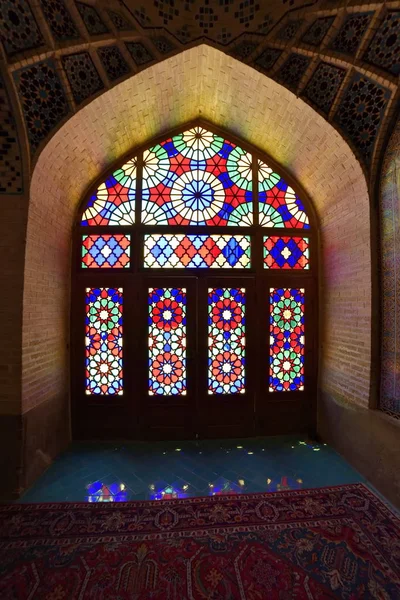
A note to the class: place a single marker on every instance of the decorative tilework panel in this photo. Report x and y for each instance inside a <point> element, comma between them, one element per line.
<point>246,11</point>
<point>288,31</point>
<point>324,85</point>
<point>360,112</point>
<point>167,10</point>
<point>10,157</point>
<point>196,251</point>
<point>389,208</point>
<point>318,30</point>
<point>243,50</point>
<point>59,20</point>
<point>163,45</point>
<point>141,15</point>
<point>82,76</point>
<point>105,251</point>
<point>286,253</point>
<point>268,58</point>
<point>43,99</point>
<point>19,28</point>
<point>293,70</point>
<point>351,33</point>
<point>119,21</point>
<point>384,50</point>
<point>139,53</point>
<point>92,19</point>
<point>113,62</point>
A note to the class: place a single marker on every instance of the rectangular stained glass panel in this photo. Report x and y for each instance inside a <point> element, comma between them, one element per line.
<point>286,253</point>
<point>180,251</point>
<point>105,251</point>
<point>286,368</point>
<point>167,341</point>
<point>104,323</point>
<point>226,340</point>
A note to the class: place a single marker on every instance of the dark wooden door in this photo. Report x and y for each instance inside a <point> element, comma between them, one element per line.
<point>197,376</point>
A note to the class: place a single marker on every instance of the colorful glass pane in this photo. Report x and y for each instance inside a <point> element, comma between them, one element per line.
<point>226,340</point>
<point>180,251</point>
<point>279,205</point>
<point>114,201</point>
<point>286,372</point>
<point>105,251</point>
<point>167,341</point>
<point>286,253</point>
<point>104,307</point>
<point>197,178</point>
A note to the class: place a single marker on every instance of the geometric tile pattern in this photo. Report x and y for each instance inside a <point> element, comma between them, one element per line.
<point>139,53</point>
<point>288,31</point>
<point>293,70</point>
<point>141,15</point>
<point>389,210</point>
<point>60,21</point>
<point>91,18</point>
<point>163,44</point>
<point>286,253</point>
<point>324,85</point>
<point>19,28</point>
<point>268,58</point>
<point>180,251</point>
<point>42,97</point>
<point>119,21</point>
<point>384,49</point>
<point>113,62</point>
<point>10,155</point>
<point>360,112</point>
<point>243,49</point>
<point>351,33</point>
<point>82,75</point>
<point>318,30</point>
<point>105,251</point>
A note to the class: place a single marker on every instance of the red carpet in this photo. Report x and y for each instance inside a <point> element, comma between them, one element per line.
<point>339,542</point>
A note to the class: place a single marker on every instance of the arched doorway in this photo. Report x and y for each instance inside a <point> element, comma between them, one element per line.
<point>196,285</point>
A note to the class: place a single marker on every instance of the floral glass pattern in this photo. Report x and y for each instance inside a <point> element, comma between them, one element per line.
<point>279,205</point>
<point>105,251</point>
<point>197,178</point>
<point>104,314</point>
<point>226,340</point>
<point>286,252</point>
<point>114,201</point>
<point>180,251</point>
<point>286,369</point>
<point>167,341</point>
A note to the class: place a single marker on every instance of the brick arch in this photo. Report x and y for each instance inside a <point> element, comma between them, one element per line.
<point>199,82</point>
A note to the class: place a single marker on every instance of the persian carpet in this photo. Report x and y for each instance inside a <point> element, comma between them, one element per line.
<point>338,542</point>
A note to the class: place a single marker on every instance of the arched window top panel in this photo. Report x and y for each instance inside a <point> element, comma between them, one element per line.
<point>195,178</point>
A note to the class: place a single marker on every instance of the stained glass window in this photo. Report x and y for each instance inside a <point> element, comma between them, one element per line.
<point>182,251</point>
<point>167,341</point>
<point>105,251</point>
<point>286,372</point>
<point>114,201</point>
<point>226,340</point>
<point>197,178</point>
<point>286,253</point>
<point>104,308</point>
<point>279,205</point>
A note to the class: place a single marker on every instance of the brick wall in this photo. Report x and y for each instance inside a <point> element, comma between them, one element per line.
<point>199,82</point>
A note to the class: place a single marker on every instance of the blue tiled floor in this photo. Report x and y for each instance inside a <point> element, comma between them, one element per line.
<point>144,471</point>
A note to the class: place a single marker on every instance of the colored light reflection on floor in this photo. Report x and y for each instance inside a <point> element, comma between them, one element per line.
<point>98,492</point>
<point>168,493</point>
